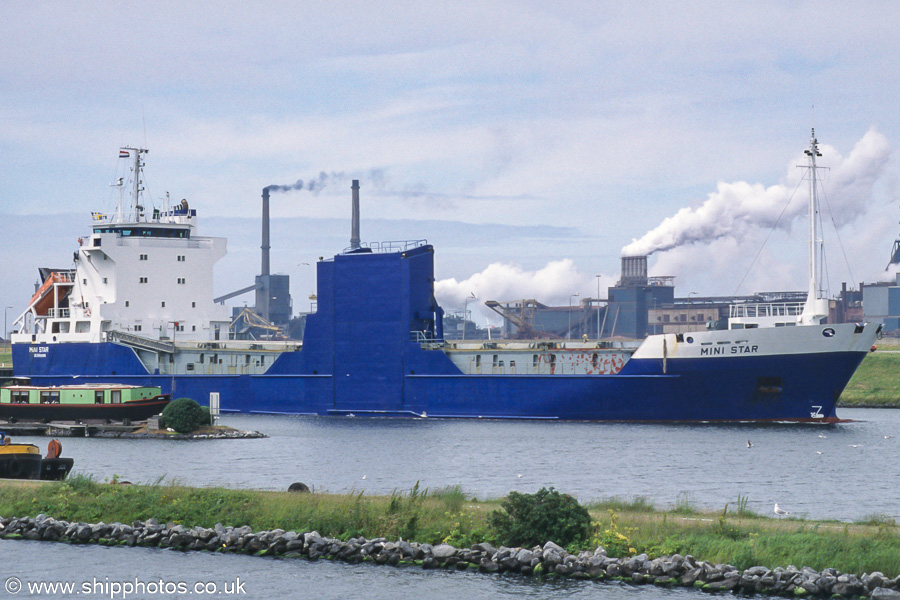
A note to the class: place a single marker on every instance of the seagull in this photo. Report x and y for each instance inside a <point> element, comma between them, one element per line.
<point>519,476</point>
<point>853,445</point>
<point>822,435</point>
<point>780,511</point>
<point>364,476</point>
<point>749,445</point>
<point>887,437</point>
<point>818,452</point>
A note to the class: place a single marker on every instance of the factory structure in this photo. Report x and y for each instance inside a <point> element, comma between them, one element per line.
<point>272,314</point>
<point>882,300</point>
<point>637,306</point>
<point>271,317</point>
<point>640,305</point>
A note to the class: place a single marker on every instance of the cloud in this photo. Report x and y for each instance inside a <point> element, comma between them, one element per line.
<point>736,209</point>
<point>554,284</point>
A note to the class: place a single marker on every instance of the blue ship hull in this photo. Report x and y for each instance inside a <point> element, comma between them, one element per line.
<point>357,358</point>
<point>689,391</point>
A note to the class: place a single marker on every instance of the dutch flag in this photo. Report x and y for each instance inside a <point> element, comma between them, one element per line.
<point>123,153</point>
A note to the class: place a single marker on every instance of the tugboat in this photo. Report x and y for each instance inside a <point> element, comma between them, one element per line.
<point>24,461</point>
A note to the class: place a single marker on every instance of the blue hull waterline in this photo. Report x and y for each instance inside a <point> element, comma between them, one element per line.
<point>358,357</point>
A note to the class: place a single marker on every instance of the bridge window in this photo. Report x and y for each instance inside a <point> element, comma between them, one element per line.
<point>595,360</point>
<point>98,397</point>
<point>142,280</point>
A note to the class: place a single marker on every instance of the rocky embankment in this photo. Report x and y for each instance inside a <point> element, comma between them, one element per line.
<point>217,434</point>
<point>673,570</point>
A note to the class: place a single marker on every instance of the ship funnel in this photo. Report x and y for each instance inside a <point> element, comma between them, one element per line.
<point>354,226</point>
<point>264,270</point>
<point>634,270</point>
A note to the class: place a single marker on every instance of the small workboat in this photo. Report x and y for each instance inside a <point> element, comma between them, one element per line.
<point>100,401</point>
<point>24,461</point>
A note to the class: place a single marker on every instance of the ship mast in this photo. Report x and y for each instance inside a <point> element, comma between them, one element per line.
<point>137,182</point>
<point>816,307</point>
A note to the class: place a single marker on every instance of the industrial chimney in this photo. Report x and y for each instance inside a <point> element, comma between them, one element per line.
<point>264,269</point>
<point>354,226</point>
<point>634,271</point>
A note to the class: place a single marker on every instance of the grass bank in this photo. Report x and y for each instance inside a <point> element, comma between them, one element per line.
<point>737,537</point>
<point>876,382</point>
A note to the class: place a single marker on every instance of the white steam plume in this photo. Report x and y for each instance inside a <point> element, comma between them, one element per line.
<point>736,209</point>
<point>552,285</point>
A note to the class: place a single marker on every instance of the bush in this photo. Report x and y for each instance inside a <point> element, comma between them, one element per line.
<point>185,415</point>
<point>532,519</point>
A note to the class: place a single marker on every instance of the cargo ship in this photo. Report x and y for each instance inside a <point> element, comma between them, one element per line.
<point>137,308</point>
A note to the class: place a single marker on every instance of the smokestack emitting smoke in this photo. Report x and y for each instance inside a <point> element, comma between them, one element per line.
<point>264,269</point>
<point>736,208</point>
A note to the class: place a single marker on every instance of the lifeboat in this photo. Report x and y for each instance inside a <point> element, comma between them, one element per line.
<point>43,299</point>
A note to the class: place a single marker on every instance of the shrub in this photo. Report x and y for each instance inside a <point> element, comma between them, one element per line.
<point>184,415</point>
<point>532,519</point>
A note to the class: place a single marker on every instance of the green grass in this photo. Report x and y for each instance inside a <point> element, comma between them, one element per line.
<point>417,514</point>
<point>875,383</point>
<point>623,527</point>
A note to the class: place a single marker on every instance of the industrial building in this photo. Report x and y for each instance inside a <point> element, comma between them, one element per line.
<point>639,305</point>
<point>881,302</point>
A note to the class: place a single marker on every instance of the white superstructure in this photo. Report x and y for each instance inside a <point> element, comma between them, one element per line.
<point>139,274</point>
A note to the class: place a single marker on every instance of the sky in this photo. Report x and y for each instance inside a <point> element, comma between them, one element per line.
<point>530,142</point>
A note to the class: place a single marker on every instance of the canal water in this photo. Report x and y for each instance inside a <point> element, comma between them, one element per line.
<point>845,471</point>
